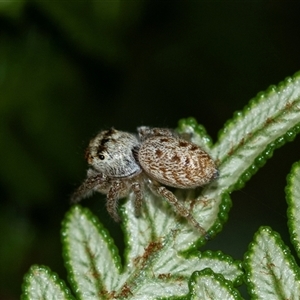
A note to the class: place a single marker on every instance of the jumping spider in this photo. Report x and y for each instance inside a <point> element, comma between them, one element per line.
<point>121,162</point>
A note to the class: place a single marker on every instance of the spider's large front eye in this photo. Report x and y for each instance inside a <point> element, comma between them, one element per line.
<point>101,156</point>
<point>104,141</point>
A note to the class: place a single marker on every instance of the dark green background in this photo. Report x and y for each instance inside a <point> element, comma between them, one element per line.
<point>71,68</point>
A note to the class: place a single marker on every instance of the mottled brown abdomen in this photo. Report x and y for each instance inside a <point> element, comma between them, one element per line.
<point>176,162</point>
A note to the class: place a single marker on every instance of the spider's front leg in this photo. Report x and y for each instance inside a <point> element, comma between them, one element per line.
<point>137,189</point>
<point>94,182</point>
<point>180,208</point>
<point>117,190</point>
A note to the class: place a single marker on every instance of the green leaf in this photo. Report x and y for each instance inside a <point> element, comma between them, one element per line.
<point>91,257</point>
<point>271,271</point>
<point>151,270</point>
<point>223,264</point>
<point>41,283</point>
<point>245,143</point>
<point>208,285</point>
<point>293,199</point>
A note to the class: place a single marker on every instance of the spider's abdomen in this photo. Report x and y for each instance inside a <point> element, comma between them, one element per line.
<point>176,162</point>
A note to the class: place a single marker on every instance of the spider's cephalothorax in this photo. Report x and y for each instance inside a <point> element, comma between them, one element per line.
<point>111,152</point>
<point>121,161</point>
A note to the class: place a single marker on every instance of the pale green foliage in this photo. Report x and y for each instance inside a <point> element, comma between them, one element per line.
<point>209,285</point>
<point>156,270</point>
<point>293,199</point>
<point>271,270</point>
<point>41,283</point>
<point>161,257</point>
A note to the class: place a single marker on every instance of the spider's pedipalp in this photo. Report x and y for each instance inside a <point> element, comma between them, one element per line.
<point>137,189</point>
<point>117,190</point>
<point>89,186</point>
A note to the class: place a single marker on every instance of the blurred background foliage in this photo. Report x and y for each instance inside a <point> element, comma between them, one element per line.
<point>71,68</point>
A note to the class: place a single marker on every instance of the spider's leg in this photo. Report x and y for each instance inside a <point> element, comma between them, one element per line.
<point>136,188</point>
<point>145,132</point>
<point>116,191</point>
<point>180,208</point>
<point>86,189</point>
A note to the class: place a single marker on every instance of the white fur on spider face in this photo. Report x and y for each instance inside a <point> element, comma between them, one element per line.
<point>111,152</point>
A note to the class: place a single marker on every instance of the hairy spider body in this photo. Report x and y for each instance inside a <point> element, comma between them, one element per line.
<point>121,162</point>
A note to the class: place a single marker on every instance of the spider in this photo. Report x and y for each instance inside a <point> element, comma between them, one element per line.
<point>122,162</point>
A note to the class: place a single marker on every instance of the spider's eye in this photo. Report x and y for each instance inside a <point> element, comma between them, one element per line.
<point>104,141</point>
<point>101,156</point>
